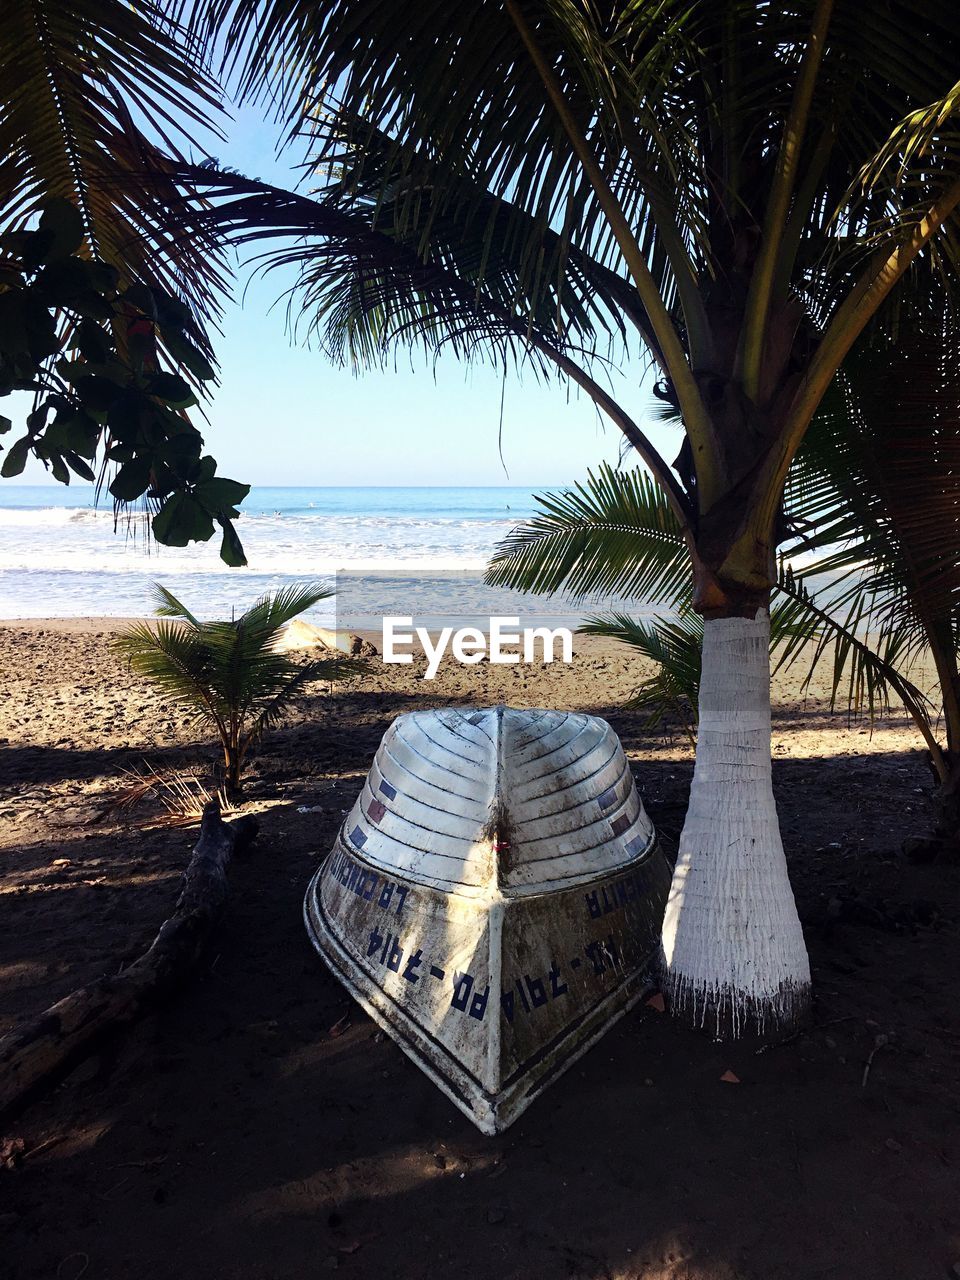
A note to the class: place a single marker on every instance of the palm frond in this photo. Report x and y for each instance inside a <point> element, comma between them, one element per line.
<point>101,99</point>
<point>674,646</point>
<point>878,480</point>
<point>881,472</point>
<point>799,629</point>
<point>248,667</point>
<point>474,275</point>
<point>442,80</point>
<point>682,105</point>
<point>613,535</point>
<point>182,795</point>
<point>275,609</point>
<point>174,658</point>
<point>168,606</point>
<point>870,668</point>
<point>617,535</point>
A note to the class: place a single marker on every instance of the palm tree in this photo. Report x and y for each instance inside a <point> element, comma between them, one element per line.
<point>873,505</point>
<point>739,187</point>
<point>229,675</point>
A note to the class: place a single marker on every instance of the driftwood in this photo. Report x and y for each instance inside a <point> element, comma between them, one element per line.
<point>44,1046</point>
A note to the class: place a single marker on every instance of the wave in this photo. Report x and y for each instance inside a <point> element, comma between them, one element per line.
<point>27,517</point>
<point>157,564</point>
<point>68,560</point>
<point>291,519</point>
<point>19,517</point>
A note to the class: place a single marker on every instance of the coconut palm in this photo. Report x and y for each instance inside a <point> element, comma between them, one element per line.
<point>229,675</point>
<point>873,502</point>
<point>739,187</point>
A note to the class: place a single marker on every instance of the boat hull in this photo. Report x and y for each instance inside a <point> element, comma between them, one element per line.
<point>493,995</point>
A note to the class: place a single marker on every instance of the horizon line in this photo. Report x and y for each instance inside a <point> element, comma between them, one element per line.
<point>63,488</point>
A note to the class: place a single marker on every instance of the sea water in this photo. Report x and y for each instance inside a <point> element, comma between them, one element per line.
<point>406,550</point>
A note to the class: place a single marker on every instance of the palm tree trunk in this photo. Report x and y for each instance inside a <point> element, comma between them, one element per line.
<point>943,647</point>
<point>733,953</point>
<point>234,768</point>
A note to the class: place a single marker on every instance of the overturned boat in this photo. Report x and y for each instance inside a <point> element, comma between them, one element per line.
<point>494,898</point>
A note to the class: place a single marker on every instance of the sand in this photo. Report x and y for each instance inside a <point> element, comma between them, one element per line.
<point>233,1135</point>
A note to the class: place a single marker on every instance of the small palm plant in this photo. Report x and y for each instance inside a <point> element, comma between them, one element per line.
<point>229,674</point>
<point>674,647</point>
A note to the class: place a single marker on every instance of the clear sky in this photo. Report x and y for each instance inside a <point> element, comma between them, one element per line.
<point>284,415</point>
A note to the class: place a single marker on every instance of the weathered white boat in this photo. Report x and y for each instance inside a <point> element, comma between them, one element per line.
<point>494,898</point>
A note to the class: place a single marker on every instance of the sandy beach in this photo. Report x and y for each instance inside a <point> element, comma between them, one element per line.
<point>242,1132</point>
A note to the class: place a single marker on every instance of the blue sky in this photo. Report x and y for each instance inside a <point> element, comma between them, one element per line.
<point>284,415</point>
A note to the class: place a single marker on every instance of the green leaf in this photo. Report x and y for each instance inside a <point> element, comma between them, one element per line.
<point>16,458</point>
<point>5,425</point>
<point>78,465</point>
<point>221,494</point>
<point>103,277</point>
<point>180,520</point>
<point>231,548</point>
<point>171,388</point>
<point>228,675</point>
<point>172,314</point>
<point>93,342</point>
<point>13,335</point>
<point>182,450</point>
<point>114,370</point>
<point>41,327</point>
<point>59,468</point>
<point>613,535</point>
<point>17,243</point>
<point>37,418</point>
<point>62,228</point>
<point>140,296</point>
<point>97,393</point>
<point>132,480</point>
<point>26,329</point>
<point>127,413</point>
<point>78,433</point>
<point>674,646</point>
<point>72,282</point>
<point>188,355</point>
<point>168,606</point>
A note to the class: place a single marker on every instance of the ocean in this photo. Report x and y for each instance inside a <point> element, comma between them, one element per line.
<point>416,551</point>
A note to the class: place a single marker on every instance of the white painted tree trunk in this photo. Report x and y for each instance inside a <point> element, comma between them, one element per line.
<point>733,951</point>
